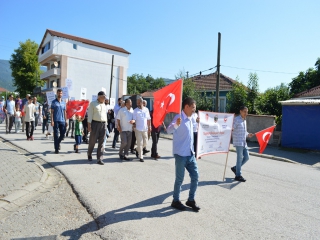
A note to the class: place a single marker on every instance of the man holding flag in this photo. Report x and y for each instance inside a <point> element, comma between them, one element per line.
<point>239,135</point>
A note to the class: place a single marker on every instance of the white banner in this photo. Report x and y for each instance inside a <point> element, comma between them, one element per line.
<point>69,84</point>
<point>65,93</point>
<point>214,132</point>
<point>50,97</point>
<point>83,94</point>
<point>94,97</point>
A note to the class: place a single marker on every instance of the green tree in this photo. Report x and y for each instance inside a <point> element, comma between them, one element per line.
<point>253,92</point>
<point>236,97</point>
<point>306,80</point>
<point>268,102</point>
<point>25,67</point>
<point>137,83</point>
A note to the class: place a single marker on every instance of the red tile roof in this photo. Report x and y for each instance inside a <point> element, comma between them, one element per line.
<point>208,82</point>
<point>3,90</point>
<point>313,92</point>
<point>83,40</point>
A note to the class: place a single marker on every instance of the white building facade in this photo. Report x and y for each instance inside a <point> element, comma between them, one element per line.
<point>85,62</point>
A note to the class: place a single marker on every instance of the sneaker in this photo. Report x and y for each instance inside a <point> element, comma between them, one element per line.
<point>233,169</point>
<point>141,160</point>
<point>145,151</point>
<point>100,162</point>
<point>178,205</point>
<point>193,205</point>
<point>56,151</point>
<point>121,157</point>
<point>240,179</point>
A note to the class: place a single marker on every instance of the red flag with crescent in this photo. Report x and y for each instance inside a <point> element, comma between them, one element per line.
<point>263,137</point>
<point>78,107</point>
<point>167,99</point>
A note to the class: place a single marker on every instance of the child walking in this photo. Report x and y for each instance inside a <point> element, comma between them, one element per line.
<point>78,132</point>
<point>17,119</point>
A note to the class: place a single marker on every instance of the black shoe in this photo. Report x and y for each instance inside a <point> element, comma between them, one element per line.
<point>193,205</point>
<point>67,135</point>
<point>72,136</point>
<point>100,162</point>
<point>137,154</point>
<point>113,146</point>
<point>90,158</point>
<point>77,151</point>
<point>240,179</point>
<point>141,160</point>
<point>56,151</point>
<point>145,151</point>
<point>74,147</point>
<point>233,169</point>
<point>121,157</point>
<point>127,159</point>
<point>178,205</point>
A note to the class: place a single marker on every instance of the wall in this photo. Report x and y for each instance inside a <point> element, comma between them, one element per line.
<point>256,123</point>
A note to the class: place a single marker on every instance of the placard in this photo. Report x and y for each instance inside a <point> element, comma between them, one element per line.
<point>214,132</point>
<point>65,93</point>
<point>94,97</point>
<point>83,94</point>
<point>69,84</point>
<point>112,102</point>
<point>50,97</point>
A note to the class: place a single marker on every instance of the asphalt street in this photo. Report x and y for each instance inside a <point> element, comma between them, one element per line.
<point>131,200</point>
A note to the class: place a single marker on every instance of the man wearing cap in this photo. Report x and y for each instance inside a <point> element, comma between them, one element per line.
<point>58,120</point>
<point>97,126</point>
<point>24,102</point>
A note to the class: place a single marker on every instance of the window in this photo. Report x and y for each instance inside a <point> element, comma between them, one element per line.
<point>75,46</point>
<point>45,48</point>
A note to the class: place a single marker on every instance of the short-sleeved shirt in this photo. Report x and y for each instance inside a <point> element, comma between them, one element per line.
<point>58,110</point>
<point>37,106</point>
<point>141,116</point>
<point>10,106</point>
<point>125,116</point>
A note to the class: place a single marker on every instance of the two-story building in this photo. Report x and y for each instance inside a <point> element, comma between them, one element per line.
<point>85,62</point>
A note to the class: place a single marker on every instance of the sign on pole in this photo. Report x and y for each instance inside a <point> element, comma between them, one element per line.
<point>69,84</point>
<point>94,97</point>
<point>65,93</point>
<point>50,97</point>
<point>112,102</point>
<point>83,94</point>
<point>214,132</point>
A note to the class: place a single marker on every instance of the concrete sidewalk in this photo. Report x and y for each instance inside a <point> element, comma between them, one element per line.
<point>131,200</point>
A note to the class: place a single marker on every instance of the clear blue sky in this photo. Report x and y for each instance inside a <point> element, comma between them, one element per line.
<point>167,36</point>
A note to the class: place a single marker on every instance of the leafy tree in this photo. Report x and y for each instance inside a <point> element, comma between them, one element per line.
<point>25,67</point>
<point>253,92</point>
<point>137,83</point>
<point>236,97</point>
<point>268,102</point>
<point>306,80</point>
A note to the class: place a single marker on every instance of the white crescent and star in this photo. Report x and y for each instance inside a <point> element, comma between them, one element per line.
<point>265,135</point>
<point>173,97</point>
<point>80,109</point>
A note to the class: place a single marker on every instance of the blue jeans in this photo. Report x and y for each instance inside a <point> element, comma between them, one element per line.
<point>191,165</point>
<point>242,158</point>
<point>58,127</point>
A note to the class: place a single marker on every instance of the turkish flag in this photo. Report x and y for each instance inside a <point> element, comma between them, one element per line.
<point>78,107</point>
<point>167,99</point>
<point>263,137</point>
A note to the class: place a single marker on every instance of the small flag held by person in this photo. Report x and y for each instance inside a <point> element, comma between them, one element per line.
<point>167,99</point>
<point>77,107</point>
<point>263,137</point>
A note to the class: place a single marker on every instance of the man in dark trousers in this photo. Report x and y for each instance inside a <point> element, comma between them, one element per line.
<point>155,134</point>
<point>58,120</point>
<point>97,126</point>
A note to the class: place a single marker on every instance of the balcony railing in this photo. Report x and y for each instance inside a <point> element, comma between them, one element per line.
<point>51,73</point>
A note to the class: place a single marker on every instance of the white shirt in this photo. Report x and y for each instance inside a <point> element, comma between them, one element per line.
<point>125,116</point>
<point>29,109</point>
<point>141,116</point>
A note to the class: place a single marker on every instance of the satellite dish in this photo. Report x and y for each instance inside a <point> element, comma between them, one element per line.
<point>54,84</point>
<point>55,64</point>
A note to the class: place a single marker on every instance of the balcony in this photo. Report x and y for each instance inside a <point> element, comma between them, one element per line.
<point>51,73</point>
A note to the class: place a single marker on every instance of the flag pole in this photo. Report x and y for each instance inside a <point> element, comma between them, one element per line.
<point>225,167</point>
<point>181,96</point>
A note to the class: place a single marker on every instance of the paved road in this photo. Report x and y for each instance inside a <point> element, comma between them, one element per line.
<point>131,200</point>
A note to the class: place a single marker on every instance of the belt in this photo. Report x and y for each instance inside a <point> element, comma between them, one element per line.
<point>98,121</point>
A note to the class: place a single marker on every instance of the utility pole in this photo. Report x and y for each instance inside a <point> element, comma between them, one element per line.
<point>187,75</point>
<point>218,74</point>
<point>111,78</point>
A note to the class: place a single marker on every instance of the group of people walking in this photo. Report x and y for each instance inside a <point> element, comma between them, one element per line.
<point>133,126</point>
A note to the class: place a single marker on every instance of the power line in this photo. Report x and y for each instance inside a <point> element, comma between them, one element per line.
<point>257,70</point>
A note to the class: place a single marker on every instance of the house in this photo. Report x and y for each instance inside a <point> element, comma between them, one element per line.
<point>84,63</point>
<point>313,93</point>
<point>208,84</point>
<point>2,90</point>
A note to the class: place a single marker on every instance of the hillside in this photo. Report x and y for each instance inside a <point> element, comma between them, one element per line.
<point>6,80</point>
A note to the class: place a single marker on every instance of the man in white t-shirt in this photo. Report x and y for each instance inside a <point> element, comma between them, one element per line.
<point>142,119</point>
<point>125,121</point>
<point>9,109</point>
